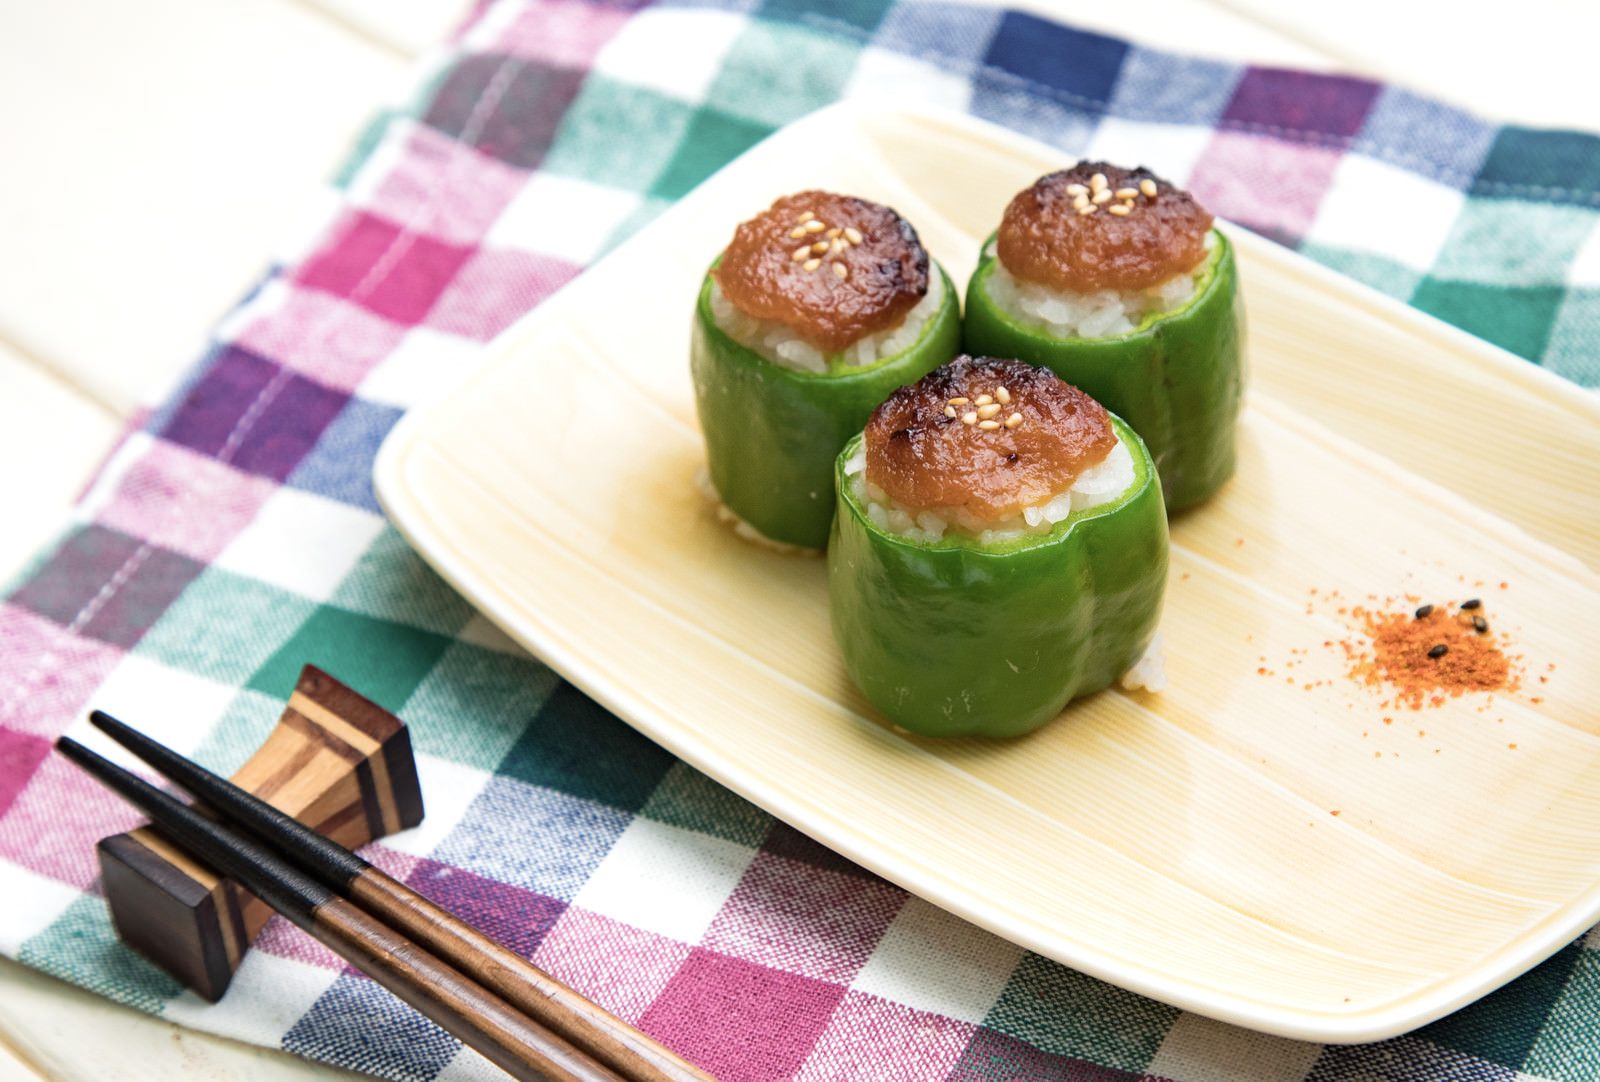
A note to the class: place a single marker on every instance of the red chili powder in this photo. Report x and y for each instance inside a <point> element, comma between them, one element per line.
<point>1405,652</point>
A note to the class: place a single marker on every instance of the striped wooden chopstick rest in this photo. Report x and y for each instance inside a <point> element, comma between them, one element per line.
<point>578,1020</point>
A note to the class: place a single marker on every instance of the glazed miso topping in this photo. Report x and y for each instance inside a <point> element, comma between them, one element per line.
<point>833,268</point>
<point>1099,226</point>
<point>991,436</point>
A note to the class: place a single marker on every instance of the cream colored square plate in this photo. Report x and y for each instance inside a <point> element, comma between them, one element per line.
<point>1280,856</point>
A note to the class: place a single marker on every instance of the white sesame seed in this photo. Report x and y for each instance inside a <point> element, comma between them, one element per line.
<point>1148,187</point>
<point>853,235</point>
<point>814,226</point>
<point>1002,396</point>
<point>1102,196</point>
<point>959,401</point>
<point>1077,189</point>
<point>841,271</point>
<point>805,216</point>
<point>800,253</point>
<point>1127,193</point>
<point>988,411</point>
<point>839,244</point>
<point>969,418</point>
<point>988,426</point>
<point>811,264</point>
<point>949,411</point>
<point>1081,201</point>
<point>1098,181</point>
<point>834,232</point>
<point>797,232</point>
<point>984,400</point>
<point>1087,208</point>
<point>1120,209</point>
<point>819,247</point>
<point>1014,420</point>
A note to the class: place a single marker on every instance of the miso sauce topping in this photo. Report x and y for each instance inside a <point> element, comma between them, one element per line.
<point>988,435</point>
<point>1099,226</point>
<point>833,268</point>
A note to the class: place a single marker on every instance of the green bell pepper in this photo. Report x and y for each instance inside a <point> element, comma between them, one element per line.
<point>1177,378</point>
<point>772,432</point>
<point>953,638</point>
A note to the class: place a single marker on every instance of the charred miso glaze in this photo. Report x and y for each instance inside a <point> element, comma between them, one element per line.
<point>991,436</point>
<point>831,267</point>
<point>1099,226</point>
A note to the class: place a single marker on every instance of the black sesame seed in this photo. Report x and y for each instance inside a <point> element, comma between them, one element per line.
<point>1439,651</point>
<point>1424,612</point>
<point>1480,625</point>
<point>1470,605</point>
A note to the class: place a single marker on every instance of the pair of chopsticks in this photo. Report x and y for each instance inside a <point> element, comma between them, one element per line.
<point>490,998</point>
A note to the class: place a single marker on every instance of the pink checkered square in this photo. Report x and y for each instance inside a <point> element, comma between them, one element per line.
<point>804,919</point>
<point>396,272</point>
<point>566,33</point>
<point>444,189</point>
<point>740,1021</point>
<point>47,675</point>
<point>169,477</point>
<point>868,1037</point>
<point>494,288</point>
<point>617,965</point>
<point>391,862</point>
<point>333,341</point>
<point>56,821</point>
<point>281,939</point>
<point>1270,186</point>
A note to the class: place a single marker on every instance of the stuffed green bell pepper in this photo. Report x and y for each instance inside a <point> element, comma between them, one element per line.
<point>1117,282</point>
<point>1000,548</point>
<point>819,307</point>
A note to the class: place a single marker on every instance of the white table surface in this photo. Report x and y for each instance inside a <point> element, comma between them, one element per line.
<point>157,155</point>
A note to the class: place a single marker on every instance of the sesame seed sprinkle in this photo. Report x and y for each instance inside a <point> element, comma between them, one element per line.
<point>1002,396</point>
<point>1121,209</point>
<point>852,234</point>
<point>800,253</point>
<point>1127,193</point>
<point>814,226</point>
<point>1077,189</point>
<point>969,418</point>
<point>819,247</point>
<point>959,401</point>
<point>834,232</point>
<point>988,411</point>
<point>1148,187</point>
<point>1102,196</point>
<point>988,426</point>
<point>840,271</point>
<point>1098,181</point>
<point>811,264</point>
<point>1014,420</point>
<point>949,411</point>
<point>797,232</point>
<point>1087,208</point>
<point>983,399</point>
<point>806,216</point>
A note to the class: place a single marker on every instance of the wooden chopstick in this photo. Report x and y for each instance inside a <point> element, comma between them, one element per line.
<point>585,1024</point>
<point>447,994</point>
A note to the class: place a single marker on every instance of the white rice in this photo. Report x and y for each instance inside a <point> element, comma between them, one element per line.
<point>778,343</point>
<point>1099,484</point>
<point>1104,313</point>
<point>1150,671</point>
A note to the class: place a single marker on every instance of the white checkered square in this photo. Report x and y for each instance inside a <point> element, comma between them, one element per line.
<point>1372,206</point>
<point>565,217</point>
<point>885,75</point>
<point>171,706</point>
<point>1585,268</point>
<point>1168,150</point>
<point>665,879</point>
<point>448,790</point>
<point>269,994</point>
<point>302,542</point>
<point>424,366</point>
<point>1198,1049</point>
<point>33,903</point>
<point>933,961</point>
<point>676,52</point>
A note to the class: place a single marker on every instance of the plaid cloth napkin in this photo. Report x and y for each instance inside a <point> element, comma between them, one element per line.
<point>234,536</point>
